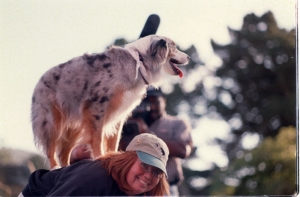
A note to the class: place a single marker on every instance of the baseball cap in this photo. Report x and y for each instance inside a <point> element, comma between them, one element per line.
<point>151,91</point>
<point>150,150</point>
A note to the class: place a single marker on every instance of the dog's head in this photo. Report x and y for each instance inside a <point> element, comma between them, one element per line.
<point>157,54</point>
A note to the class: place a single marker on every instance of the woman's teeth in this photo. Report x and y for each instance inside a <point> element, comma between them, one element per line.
<point>142,182</point>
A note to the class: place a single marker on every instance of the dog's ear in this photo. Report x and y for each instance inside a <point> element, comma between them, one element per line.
<point>159,48</point>
<point>144,72</point>
<point>135,55</point>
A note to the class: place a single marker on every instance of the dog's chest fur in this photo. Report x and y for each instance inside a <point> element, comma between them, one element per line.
<point>128,101</point>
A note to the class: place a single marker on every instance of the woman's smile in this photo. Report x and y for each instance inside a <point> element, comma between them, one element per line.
<point>143,183</point>
<point>139,180</point>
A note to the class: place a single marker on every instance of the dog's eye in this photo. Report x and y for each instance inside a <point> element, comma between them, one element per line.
<point>172,46</point>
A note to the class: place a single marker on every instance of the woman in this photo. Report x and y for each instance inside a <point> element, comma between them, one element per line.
<point>140,170</point>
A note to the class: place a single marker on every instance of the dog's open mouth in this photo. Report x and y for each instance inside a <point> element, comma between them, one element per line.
<point>174,64</point>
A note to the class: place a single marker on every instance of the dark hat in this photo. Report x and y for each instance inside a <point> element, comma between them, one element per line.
<point>154,92</point>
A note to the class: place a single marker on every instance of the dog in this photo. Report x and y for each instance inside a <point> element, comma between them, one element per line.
<point>87,99</point>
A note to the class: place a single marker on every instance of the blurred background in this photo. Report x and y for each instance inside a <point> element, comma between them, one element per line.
<point>239,90</point>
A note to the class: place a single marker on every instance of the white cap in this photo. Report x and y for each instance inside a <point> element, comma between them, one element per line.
<point>150,150</point>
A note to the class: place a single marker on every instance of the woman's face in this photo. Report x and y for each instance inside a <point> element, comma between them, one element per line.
<point>142,177</point>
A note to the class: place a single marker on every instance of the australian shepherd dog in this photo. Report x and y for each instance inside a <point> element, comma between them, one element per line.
<point>87,99</point>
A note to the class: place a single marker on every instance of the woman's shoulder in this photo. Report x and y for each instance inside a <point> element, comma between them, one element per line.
<point>87,166</point>
<point>94,178</point>
<point>87,172</point>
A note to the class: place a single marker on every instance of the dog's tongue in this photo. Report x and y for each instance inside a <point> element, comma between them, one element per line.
<point>174,63</point>
<point>180,73</point>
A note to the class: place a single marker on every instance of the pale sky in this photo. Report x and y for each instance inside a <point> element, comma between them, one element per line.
<point>37,35</point>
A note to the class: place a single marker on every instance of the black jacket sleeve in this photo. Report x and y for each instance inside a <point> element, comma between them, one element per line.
<point>84,178</point>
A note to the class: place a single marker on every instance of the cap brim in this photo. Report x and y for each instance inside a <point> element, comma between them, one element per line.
<point>151,160</point>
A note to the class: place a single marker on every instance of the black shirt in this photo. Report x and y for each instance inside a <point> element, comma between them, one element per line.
<point>83,178</point>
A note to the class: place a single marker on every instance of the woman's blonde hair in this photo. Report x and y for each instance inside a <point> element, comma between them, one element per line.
<point>118,165</point>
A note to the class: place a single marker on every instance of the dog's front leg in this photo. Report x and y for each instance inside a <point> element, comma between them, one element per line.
<point>96,139</point>
<point>64,156</point>
<point>114,140</point>
<point>97,144</point>
<point>93,128</point>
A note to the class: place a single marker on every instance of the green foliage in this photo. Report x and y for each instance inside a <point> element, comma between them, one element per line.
<point>269,169</point>
<point>259,76</point>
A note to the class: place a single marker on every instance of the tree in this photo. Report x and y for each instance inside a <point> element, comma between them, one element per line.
<point>269,169</point>
<point>258,91</point>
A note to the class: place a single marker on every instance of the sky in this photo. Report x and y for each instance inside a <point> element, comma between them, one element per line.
<point>37,35</point>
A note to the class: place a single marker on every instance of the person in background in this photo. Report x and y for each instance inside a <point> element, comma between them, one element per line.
<point>140,170</point>
<point>174,131</point>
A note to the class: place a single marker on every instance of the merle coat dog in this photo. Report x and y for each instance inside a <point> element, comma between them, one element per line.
<point>87,99</point>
